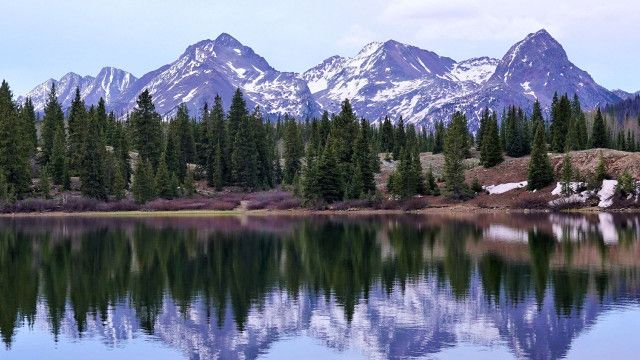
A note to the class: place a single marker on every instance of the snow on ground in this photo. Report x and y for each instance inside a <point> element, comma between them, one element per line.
<point>574,187</point>
<point>572,199</point>
<point>606,193</point>
<point>503,188</point>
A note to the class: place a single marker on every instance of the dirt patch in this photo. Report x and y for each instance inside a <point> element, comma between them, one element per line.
<point>585,161</point>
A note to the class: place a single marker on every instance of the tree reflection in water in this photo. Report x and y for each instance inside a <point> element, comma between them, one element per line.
<point>391,286</point>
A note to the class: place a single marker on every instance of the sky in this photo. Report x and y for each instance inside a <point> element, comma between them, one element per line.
<point>42,39</point>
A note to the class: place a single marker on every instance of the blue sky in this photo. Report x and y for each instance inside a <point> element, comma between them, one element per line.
<point>42,39</point>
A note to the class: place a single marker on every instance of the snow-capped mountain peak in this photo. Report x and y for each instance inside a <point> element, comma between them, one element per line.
<point>538,67</point>
<point>217,67</point>
<point>65,90</point>
<point>383,78</point>
<point>109,84</point>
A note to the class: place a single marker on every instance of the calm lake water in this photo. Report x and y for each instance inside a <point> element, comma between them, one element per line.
<point>417,286</point>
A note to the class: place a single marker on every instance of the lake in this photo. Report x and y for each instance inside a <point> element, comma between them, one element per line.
<point>469,286</point>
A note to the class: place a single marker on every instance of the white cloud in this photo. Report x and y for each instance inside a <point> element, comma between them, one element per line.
<point>506,19</point>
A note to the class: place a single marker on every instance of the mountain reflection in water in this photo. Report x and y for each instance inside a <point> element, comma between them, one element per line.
<point>382,286</point>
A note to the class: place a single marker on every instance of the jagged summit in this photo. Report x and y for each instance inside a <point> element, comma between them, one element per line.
<point>225,39</point>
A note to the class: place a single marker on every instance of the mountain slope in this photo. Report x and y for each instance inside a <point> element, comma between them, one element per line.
<point>625,94</point>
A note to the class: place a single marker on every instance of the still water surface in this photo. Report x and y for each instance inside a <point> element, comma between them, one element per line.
<point>417,286</point>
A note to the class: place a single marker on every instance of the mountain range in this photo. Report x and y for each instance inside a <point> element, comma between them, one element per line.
<point>387,78</point>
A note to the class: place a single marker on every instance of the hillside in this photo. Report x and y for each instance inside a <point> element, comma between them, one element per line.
<point>514,170</point>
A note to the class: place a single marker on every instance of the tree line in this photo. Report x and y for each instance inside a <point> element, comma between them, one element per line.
<point>327,159</point>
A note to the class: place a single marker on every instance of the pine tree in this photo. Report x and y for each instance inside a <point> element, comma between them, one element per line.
<point>601,169</point>
<point>52,120</point>
<point>354,187</point>
<point>121,152</point>
<point>536,119</point>
<point>324,131</point>
<point>399,140</point>
<point>491,153</point>
<point>58,159</point>
<point>362,159</point>
<point>560,121</point>
<point>93,175</point>
<point>217,177</point>
<point>406,179</point>
<point>540,171</point>
<point>204,143</point>
<point>184,137</point>
<point>14,149</point>
<point>4,189</point>
<point>277,167</point>
<point>417,177</point>
<point>171,155</point>
<point>438,141</point>
<point>45,184</point>
<point>217,164</point>
<point>236,118</point>
<point>244,158</point>
<point>310,190</point>
<point>165,187</point>
<point>147,126</point>
<point>599,132</point>
<point>262,144</point>
<point>386,136</point>
<point>189,184</point>
<point>101,120</point>
<point>292,150</point>
<point>620,141</point>
<point>28,116</point>
<point>112,129</point>
<point>143,183</point>
<point>516,133</point>
<point>484,120</point>
<point>566,175</point>
<point>580,122</point>
<point>454,153</point>
<point>431,186</point>
<point>411,137</point>
<point>77,132</point>
<point>328,178</point>
<point>118,186</point>
<point>343,131</point>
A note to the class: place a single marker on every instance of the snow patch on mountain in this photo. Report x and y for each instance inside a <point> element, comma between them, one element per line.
<point>477,70</point>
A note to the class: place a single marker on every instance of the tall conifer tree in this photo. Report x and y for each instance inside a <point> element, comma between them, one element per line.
<point>540,171</point>
<point>52,120</point>
<point>599,132</point>
<point>147,126</point>
<point>456,145</point>
<point>14,151</point>
<point>93,173</point>
<point>76,121</point>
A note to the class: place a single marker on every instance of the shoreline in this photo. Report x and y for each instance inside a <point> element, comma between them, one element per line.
<point>308,212</point>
